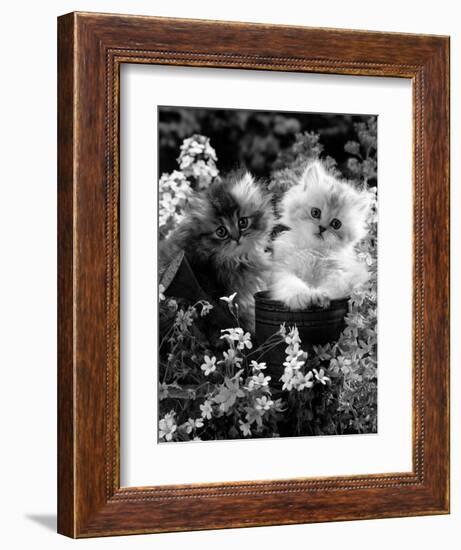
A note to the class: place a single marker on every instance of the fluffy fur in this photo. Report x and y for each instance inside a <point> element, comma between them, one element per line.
<point>224,235</point>
<point>315,261</point>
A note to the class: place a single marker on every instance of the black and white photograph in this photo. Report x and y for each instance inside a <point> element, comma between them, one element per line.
<point>229,234</point>
<point>267,268</point>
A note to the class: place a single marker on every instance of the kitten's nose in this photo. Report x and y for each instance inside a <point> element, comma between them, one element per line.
<point>322,229</point>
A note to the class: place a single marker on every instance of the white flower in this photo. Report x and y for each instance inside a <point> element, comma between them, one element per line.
<point>161,295</point>
<point>229,299</point>
<point>162,391</point>
<point>231,357</point>
<point>295,379</point>
<point>198,160</point>
<point>183,320</point>
<point>206,409</point>
<point>229,392</point>
<point>192,424</point>
<point>293,337</point>
<point>209,365</point>
<point>243,339</point>
<point>263,403</point>
<point>174,191</point>
<point>166,199</point>
<point>257,366</point>
<point>288,379</point>
<point>341,363</point>
<point>233,334</point>
<point>323,352</point>
<point>292,377</point>
<point>167,426</point>
<point>204,170</point>
<point>186,161</point>
<point>305,381</point>
<point>293,363</point>
<point>320,376</point>
<point>245,428</point>
<point>254,415</point>
<point>258,381</point>
<point>295,352</point>
<point>206,308</point>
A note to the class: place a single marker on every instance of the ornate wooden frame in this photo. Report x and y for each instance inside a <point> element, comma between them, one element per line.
<point>91,49</point>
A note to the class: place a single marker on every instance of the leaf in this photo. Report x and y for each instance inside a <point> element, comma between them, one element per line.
<point>170,272</point>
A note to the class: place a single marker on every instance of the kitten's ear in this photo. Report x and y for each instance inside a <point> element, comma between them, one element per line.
<point>247,190</point>
<point>197,205</point>
<point>312,174</point>
<point>247,179</point>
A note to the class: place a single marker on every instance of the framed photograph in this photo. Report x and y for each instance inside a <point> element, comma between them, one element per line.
<point>253,275</point>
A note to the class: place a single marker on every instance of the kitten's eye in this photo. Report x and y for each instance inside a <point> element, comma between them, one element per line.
<point>335,223</point>
<point>221,232</point>
<point>316,213</point>
<point>244,223</point>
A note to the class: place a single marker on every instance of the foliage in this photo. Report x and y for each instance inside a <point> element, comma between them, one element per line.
<point>221,391</point>
<point>362,165</point>
<point>197,169</point>
<point>254,139</point>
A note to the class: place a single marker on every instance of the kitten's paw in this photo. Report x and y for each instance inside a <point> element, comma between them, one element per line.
<point>320,299</point>
<point>300,300</point>
<point>307,299</point>
<point>295,294</point>
<point>290,290</point>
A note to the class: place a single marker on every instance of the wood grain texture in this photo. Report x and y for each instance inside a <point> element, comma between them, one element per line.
<point>91,49</point>
<point>66,108</point>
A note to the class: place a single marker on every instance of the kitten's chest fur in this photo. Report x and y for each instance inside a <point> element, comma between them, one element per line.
<point>313,267</point>
<point>244,275</point>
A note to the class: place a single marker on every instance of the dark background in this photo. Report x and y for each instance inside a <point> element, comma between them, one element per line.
<point>250,139</point>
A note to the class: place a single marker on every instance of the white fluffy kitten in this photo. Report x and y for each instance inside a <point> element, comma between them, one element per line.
<point>315,261</point>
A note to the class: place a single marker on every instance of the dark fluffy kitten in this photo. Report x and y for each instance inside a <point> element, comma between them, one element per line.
<point>224,236</point>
